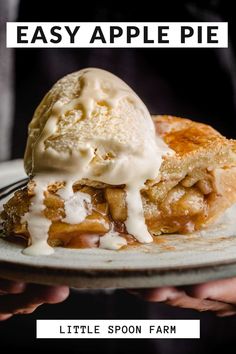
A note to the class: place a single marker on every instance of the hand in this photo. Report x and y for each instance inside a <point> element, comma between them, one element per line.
<point>21,298</point>
<point>218,296</point>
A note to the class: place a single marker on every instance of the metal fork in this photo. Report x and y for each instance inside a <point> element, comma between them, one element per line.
<point>7,190</point>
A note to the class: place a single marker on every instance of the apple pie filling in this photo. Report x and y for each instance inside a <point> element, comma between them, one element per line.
<point>169,206</point>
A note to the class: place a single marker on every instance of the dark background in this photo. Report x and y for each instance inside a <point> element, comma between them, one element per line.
<point>18,333</point>
<point>196,83</point>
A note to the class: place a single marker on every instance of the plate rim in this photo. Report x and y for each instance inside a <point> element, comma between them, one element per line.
<point>116,279</point>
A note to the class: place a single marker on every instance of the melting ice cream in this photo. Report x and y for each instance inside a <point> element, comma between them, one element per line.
<point>93,126</point>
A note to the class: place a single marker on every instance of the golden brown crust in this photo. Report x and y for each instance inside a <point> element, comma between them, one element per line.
<point>194,186</point>
<point>185,136</point>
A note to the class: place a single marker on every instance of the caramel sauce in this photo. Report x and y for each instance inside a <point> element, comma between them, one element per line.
<point>84,241</point>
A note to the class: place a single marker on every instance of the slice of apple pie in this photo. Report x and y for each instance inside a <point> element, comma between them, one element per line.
<point>195,185</point>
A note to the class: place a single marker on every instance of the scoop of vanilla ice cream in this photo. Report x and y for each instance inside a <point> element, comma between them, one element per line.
<point>90,112</point>
<point>92,125</point>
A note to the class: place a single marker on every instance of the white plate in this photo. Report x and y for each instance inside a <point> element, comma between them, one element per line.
<point>174,260</point>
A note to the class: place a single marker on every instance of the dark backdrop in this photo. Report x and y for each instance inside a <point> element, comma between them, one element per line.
<point>195,83</point>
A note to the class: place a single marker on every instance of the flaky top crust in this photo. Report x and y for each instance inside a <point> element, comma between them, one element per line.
<point>186,136</point>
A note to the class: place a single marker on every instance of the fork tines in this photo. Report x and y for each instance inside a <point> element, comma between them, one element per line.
<point>7,190</point>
